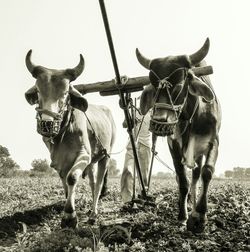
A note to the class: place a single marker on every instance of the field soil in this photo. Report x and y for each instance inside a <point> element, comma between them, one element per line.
<point>31,209</point>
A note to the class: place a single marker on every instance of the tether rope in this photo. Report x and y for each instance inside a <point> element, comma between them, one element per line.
<point>164,163</point>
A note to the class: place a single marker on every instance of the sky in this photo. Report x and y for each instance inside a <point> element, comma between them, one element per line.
<point>59,30</point>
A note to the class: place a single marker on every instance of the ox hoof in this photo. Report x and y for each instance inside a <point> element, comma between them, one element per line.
<point>182,218</point>
<point>104,194</point>
<point>196,224</point>
<point>69,222</point>
<point>92,218</point>
<point>182,223</point>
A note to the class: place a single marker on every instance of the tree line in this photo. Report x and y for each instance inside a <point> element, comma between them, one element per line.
<point>40,167</point>
<point>8,168</point>
<point>7,164</point>
<point>238,173</point>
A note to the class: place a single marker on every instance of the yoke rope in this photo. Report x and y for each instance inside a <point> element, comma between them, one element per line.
<point>104,150</point>
<point>164,163</point>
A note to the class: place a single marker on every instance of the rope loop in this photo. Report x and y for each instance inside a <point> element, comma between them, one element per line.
<point>123,79</point>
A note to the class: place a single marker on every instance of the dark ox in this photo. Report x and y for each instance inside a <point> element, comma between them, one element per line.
<point>75,142</point>
<point>185,108</point>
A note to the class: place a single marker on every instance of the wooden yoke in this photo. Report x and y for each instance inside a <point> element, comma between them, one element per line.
<point>111,88</point>
<point>134,84</point>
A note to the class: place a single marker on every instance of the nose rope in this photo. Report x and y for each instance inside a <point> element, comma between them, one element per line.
<point>166,128</point>
<point>172,104</point>
<point>55,115</point>
<point>49,113</point>
<point>164,83</point>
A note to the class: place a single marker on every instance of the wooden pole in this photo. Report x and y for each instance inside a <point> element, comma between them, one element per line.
<point>109,86</point>
<point>121,94</point>
<point>133,84</point>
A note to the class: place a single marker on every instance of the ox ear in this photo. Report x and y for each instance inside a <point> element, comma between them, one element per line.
<point>77,100</point>
<point>147,98</point>
<point>198,87</point>
<point>32,96</point>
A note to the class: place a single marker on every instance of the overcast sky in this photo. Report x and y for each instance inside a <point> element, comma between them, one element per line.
<point>59,30</point>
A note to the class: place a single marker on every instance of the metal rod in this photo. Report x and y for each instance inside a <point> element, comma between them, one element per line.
<point>154,138</point>
<point>121,94</point>
<point>133,113</point>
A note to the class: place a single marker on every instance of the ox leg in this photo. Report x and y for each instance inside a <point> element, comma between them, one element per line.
<point>182,180</point>
<point>197,219</point>
<point>196,172</point>
<point>63,175</point>
<point>183,184</point>
<point>90,171</point>
<point>101,171</point>
<point>104,191</point>
<point>70,217</point>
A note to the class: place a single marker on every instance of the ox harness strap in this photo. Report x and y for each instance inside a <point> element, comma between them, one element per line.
<point>103,152</point>
<point>162,128</point>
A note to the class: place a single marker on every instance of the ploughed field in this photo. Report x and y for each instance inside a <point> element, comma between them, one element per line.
<point>31,209</point>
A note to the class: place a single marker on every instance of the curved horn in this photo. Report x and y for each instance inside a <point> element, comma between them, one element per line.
<point>28,62</point>
<point>75,72</point>
<point>198,56</point>
<point>143,60</point>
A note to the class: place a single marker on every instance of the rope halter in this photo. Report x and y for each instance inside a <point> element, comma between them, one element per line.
<point>166,128</point>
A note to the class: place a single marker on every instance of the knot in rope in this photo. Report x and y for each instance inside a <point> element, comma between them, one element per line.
<point>164,83</point>
<point>123,79</point>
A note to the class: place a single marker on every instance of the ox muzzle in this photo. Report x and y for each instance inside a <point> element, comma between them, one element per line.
<point>50,128</point>
<point>164,128</point>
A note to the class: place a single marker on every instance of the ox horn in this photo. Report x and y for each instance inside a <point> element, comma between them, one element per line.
<point>198,56</point>
<point>143,60</point>
<point>75,72</point>
<point>28,62</point>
